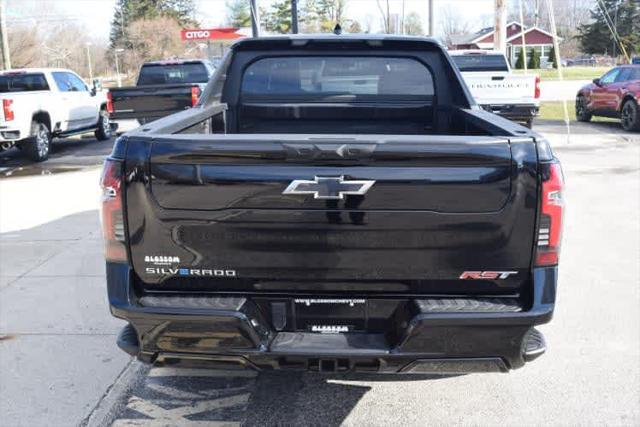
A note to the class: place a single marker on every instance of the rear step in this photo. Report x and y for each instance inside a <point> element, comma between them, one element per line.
<point>326,344</point>
<point>128,340</point>
<point>534,345</point>
<point>470,305</point>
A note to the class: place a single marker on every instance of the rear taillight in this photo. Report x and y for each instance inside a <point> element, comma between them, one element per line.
<point>109,102</point>
<point>195,95</point>
<point>552,206</point>
<point>536,93</point>
<point>7,109</point>
<point>112,212</point>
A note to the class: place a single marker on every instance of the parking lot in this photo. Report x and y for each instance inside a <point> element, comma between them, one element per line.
<point>60,365</point>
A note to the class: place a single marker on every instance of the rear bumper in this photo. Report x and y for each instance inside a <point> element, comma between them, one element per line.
<point>236,332</point>
<point>516,112</point>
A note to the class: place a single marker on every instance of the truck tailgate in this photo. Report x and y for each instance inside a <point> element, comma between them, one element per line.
<point>501,88</point>
<point>147,103</point>
<point>213,208</point>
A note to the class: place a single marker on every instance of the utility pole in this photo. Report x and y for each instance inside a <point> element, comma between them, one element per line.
<point>431,19</point>
<point>255,18</point>
<point>388,18</point>
<point>88,45</point>
<point>500,33</point>
<point>523,39</point>
<point>6,56</point>
<point>119,79</point>
<point>294,16</point>
<point>402,25</point>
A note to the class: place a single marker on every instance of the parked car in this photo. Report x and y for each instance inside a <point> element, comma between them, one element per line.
<point>493,85</point>
<point>162,88</point>
<point>616,94</point>
<point>39,104</point>
<point>334,203</point>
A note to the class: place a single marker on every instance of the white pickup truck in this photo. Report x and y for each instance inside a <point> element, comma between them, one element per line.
<point>39,104</point>
<point>495,88</point>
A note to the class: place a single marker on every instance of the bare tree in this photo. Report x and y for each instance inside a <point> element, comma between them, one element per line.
<point>24,47</point>
<point>451,24</point>
<point>153,39</point>
<point>413,24</point>
<point>384,12</point>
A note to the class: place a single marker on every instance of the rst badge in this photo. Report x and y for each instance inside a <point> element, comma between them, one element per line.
<point>329,187</point>
<point>487,275</point>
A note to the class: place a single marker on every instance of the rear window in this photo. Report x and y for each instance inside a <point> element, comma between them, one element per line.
<point>28,82</point>
<point>338,76</point>
<point>158,74</point>
<point>480,62</point>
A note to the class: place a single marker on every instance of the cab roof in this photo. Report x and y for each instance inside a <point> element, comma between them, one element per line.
<point>35,70</point>
<point>335,40</point>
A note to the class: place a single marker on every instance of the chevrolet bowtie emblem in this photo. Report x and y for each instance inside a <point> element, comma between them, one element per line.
<point>328,187</point>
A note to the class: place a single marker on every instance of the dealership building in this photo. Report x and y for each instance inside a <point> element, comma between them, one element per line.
<point>536,39</point>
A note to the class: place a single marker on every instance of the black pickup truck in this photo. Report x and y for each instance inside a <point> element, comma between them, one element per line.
<point>333,203</point>
<point>162,88</point>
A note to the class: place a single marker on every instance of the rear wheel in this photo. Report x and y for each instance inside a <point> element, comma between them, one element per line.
<point>582,113</point>
<point>38,146</point>
<point>630,116</point>
<point>103,131</point>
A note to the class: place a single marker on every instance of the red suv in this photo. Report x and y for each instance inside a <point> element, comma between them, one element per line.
<point>616,94</point>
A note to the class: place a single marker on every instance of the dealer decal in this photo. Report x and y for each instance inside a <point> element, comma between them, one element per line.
<point>161,259</point>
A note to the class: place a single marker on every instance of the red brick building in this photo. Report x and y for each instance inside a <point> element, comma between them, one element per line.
<point>536,39</point>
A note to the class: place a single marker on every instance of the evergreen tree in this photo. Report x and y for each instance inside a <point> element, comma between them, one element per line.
<point>534,60</point>
<point>520,60</point>
<point>239,13</point>
<point>182,10</point>
<point>596,38</point>
<point>310,16</point>
<point>551,59</point>
<point>278,19</point>
<point>128,11</point>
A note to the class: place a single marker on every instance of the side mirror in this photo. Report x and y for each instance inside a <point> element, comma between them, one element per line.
<point>96,87</point>
<point>597,82</point>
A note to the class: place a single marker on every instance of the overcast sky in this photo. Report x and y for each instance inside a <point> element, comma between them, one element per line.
<point>96,15</point>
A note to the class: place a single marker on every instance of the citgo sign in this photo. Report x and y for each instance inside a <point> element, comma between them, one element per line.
<point>196,34</point>
<point>210,34</point>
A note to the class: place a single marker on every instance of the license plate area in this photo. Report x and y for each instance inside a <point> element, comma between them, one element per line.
<point>339,314</point>
<point>330,315</point>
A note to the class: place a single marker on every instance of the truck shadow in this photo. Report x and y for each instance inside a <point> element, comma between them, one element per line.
<point>184,396</point>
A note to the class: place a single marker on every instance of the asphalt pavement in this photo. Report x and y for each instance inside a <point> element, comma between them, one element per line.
<point>59,364</point>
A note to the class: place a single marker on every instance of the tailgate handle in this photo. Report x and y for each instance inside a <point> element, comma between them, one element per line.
<point>329,151</point>
<point>497,78</point>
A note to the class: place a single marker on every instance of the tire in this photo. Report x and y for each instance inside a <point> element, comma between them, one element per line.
<point>630,116</point>
<point>582,114</point>
<point>38,146</point>
<point>103,131</point>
